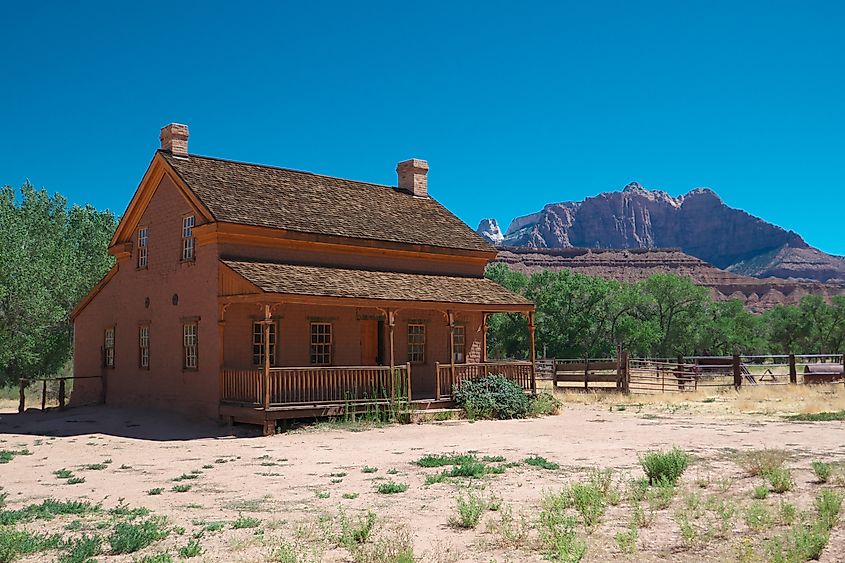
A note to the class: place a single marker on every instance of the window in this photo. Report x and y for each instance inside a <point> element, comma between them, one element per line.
<point>142,247</point>
<point>459,342</point>
<point>189,345</point>
<point>188,238</point>
<point>108,348</point>
<point>258,343</point>
<point>416,343</point>
<point>144,346</point>
<point>321,344</point>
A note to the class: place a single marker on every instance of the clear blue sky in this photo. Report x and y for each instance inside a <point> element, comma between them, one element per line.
<point>513,104</point>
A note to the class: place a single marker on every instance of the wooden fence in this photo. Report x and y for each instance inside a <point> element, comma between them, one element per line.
<point>690,373</point>
<point>49,383</point>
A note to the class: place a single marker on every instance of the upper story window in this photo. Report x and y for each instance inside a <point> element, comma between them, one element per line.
<point>459,339</point>
<point>188,238</point>
<point>144,346</point>
<point>189,346</point>
<point>321,344</point>
<point>258,343</point>
<point>108,347</point>
<point>142,247</point>
<point>416,343</point>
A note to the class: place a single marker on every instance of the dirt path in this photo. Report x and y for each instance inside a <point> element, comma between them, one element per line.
<point>289,480</point>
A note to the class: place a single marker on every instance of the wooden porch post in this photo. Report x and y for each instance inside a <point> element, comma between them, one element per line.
<point>450,315</point>
<point>391,323</point>
<point>266,322</point>
<point>532,350</point>
<point>484,338</point>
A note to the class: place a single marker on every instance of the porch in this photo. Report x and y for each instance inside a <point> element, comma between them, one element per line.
<point>340,341</point>
<point>260,396</point>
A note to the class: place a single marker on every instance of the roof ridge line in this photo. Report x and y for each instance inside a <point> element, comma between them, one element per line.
<point>282,168</point>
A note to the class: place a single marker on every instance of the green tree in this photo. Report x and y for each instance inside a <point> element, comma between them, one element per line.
<point>676,306</point>
<point>50,257</point>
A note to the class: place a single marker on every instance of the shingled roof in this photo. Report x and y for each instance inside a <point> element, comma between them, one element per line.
<point>366,284</point>
<point>279,198</point>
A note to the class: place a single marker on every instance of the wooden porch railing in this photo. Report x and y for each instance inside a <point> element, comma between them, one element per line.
<point>449,376</point>
<point>292,386</point>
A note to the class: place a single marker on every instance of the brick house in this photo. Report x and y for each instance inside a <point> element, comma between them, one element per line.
<point>258,293</point>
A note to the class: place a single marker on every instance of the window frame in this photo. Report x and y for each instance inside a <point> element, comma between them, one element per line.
<point>258,343</point>
<point>144,346</point>
<point>143,248</point>
<point>320,350</point>
<point>459,349</point>
<point>186,348</point>
<point>189,253</point>
<point>109,350</point>
<point>417,357</point>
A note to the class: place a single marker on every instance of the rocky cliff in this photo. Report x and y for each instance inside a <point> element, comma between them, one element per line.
<point>699,223</point>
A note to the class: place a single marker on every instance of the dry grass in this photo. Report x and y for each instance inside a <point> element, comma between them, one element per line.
<point>771,400</point>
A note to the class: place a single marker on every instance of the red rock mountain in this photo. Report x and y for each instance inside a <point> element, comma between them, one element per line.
<point>698,223</point>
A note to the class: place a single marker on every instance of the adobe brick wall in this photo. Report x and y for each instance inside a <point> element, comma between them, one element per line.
<point>121,304</point>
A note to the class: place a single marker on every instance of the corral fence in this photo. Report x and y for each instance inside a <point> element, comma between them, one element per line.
<point>53,390</point>
<point>691,373</point>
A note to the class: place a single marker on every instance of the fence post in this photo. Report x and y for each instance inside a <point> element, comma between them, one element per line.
<point>44,395</point>
<point>586,374</point>
<point>626,373</point>
<point>681,376</point>
<point>62,393</point>
<point>793,371</point>
<point>737,369</point>
<point>22,403</point>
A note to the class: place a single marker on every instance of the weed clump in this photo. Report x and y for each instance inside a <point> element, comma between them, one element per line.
<point>129,537</point>
<point>666,467</point>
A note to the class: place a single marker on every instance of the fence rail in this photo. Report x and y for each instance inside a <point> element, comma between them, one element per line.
<point>61,393</point>
<point>316,385</point>
<point>690,373</point>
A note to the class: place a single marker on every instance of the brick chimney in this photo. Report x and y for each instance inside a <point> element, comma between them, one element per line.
<point>412,177</point>
<point>174,139</point>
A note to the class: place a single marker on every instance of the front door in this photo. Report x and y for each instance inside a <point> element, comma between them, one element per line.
<point>369,343</point>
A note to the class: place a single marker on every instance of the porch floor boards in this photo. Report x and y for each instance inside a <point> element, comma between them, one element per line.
<point>257,415</point>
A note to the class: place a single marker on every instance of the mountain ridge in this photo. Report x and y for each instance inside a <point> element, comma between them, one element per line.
<point>698,223</point>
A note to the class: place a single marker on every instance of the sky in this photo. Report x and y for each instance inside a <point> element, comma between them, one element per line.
<point>513,104</point>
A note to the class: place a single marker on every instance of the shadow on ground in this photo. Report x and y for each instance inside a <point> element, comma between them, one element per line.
<point>126,423</point>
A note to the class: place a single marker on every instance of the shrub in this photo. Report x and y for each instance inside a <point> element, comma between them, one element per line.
<point>781,479</point>
<point>589,502</point>
<point>390,488</point>
<point>470,509</point>
<point>181,488</point>
<point>63,473</point>
<point>75,480</point>
<point>822,471</point>
<point>193,549</point>
<point>543,404</point>
<point>540,461</point>
<point>493,396</point>
<point>760,492</point>
<point>368,469</point>
<point>352,534</point>
<point>156,491</point>
<point>626,540</point>
<point>758,517</point>
<point>665,467</point>
<point>82,550</point>
<point>129,537</point>
<point>245,522</point>
<point>828,505</point>
<point>761,462</point>
<point>14,543</point>
<point>557,530</point>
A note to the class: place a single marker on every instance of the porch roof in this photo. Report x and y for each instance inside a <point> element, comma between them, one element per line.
<point>318,281</point>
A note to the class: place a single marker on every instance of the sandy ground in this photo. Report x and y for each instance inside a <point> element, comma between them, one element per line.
<point>289,480</point>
